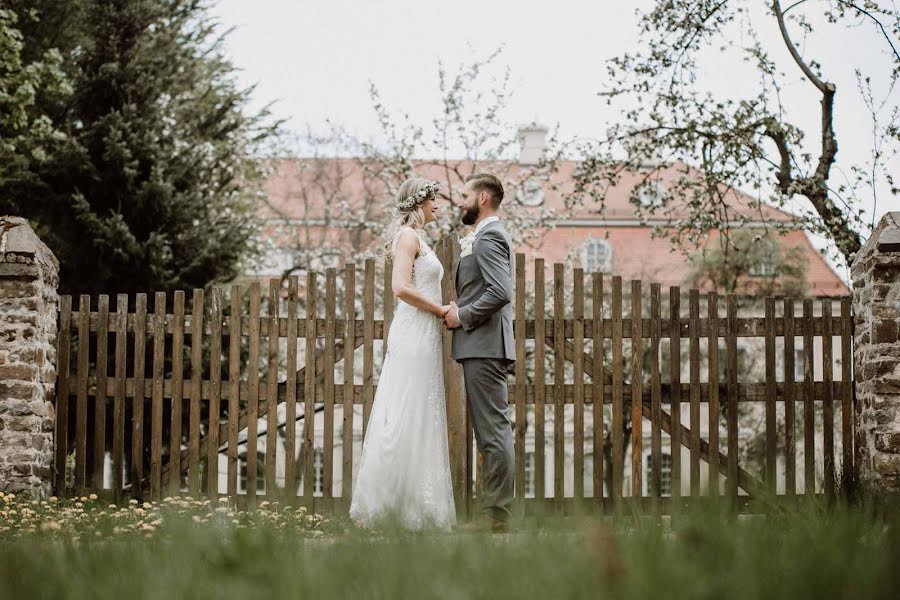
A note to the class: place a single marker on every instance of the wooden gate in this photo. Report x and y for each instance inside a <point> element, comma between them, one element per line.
<point>290,429</point>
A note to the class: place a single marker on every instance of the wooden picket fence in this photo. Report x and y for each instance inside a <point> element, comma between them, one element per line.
<point>593,353</point>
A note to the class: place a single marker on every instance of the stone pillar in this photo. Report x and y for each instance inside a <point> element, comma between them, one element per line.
<point>28,309</point>
<point>876,356</point>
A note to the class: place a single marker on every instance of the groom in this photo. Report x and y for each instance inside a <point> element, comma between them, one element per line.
<point>483,339</point>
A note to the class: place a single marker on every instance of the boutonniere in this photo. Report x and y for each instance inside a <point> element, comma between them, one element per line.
<point>466,243</point>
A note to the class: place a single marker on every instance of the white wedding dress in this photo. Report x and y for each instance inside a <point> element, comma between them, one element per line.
<point>404,470</point>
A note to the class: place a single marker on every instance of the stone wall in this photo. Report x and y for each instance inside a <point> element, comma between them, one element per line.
<point>28,313</point>
<point>876,358</point>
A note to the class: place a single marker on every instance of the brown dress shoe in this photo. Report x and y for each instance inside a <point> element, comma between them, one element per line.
<point>483,524</point>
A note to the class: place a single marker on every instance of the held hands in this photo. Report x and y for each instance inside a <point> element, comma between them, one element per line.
<point>451,317</point>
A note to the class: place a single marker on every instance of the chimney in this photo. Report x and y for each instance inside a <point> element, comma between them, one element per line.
<point>532,142</point>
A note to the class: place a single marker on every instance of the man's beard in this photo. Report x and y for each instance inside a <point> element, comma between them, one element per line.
<point>471,215</point>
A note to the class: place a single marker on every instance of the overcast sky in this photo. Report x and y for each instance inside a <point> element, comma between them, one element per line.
<point>315,60</point>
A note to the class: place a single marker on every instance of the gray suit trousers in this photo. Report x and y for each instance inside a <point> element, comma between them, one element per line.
<point>489,406</point>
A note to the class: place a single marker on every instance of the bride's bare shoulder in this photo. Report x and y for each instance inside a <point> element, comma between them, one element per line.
<point>408,239</point>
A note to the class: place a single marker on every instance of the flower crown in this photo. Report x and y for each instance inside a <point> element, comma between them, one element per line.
<point>410,202</point>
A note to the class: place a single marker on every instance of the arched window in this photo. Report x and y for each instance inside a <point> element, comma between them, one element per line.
<point>596,256</point>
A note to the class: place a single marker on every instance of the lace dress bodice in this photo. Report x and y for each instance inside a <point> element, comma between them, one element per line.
<point>427,269</point>
<point>414,327</point>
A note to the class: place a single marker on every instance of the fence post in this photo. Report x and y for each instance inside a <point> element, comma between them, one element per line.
<point>29,275</point>
<point>453,383</point>
<point>876,356</point>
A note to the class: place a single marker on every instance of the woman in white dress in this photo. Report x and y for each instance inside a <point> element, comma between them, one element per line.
<point>404,470</point>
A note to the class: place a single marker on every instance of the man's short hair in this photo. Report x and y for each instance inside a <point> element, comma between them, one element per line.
<point>485,182</point>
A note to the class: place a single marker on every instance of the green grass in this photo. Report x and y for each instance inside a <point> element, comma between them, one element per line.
<point>810,552</point>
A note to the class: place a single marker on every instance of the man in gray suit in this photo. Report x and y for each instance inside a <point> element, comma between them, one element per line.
<point>483,339</point>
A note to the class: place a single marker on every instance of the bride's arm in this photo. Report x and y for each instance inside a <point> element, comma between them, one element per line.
<point>401,276</point>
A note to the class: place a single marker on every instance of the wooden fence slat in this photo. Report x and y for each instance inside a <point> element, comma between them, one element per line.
<point>347,408</point>
<point>847,468</point>
<point>790,447</point>
<point>253,394</point>
<point>387,302</point>
<point>597,385</point>
<point>459,426</point>
<point>368,337</point>
<point>654,482</point>
<point>309,387</point>
<point>197,312</point>
<point>675,381</point>
<point>81,401</point>
<point>234,383</point>
<point>637,417</point>
<point>215,391</point>
<point>290,396</point>
<point>809,432</point>
<point>694,379</point>
<point>540,412</point>
<point>559,377</point>
<point>99,452</point>
<point>328,437</point>
<point>61,433</point>
<point>578,420</point>
<point>273,339</point>
<point>177,392</point>
<point>137,405</point>
<point>118,446</point>
<point>828,401</point>
<point>731,402</point>
<point>521,415</point>
<point>771,433</point>
<point>618,409</point>
<point>156,425</point>
<point>712,309</point>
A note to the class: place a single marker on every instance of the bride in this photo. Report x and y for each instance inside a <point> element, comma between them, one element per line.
<point>404,470</point>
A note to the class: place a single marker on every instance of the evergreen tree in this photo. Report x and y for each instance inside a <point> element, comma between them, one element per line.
<point>27,135</point>
<point>156,188</point>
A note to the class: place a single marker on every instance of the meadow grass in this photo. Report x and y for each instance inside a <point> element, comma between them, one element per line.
<point>197,549</point>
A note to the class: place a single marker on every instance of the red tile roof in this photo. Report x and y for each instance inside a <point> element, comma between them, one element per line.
<point>311,190</point>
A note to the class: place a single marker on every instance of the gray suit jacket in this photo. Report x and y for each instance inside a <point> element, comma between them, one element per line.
<point>484,285</point>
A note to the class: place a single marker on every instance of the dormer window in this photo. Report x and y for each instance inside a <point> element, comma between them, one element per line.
<point>767,265</point>
<point>530,193</point>
<point>596,256</point>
